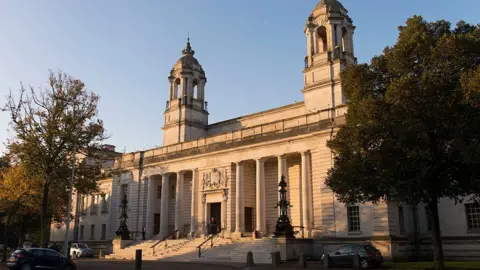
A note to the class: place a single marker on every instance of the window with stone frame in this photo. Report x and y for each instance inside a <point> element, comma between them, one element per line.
<point>401,219</point>
<point>92,232</point>
<point>159,191</point>
<point>353,215</point>
<point>472,212</point>
<point>103,236</point>
<point>94,206</point>
<point>173,191</point>
<point>428,218</point>
<point>105,204</point>
<point>83,205</point>
<point>82,231</point>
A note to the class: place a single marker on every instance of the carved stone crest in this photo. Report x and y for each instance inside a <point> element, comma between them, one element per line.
<point>216,179</point>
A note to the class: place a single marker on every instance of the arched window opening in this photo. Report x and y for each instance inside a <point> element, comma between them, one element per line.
<point>176,88</point>
<point>195,89</point>
<point>345,40</point>
<point>321,39</point>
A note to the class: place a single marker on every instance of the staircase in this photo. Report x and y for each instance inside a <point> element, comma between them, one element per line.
<point>183,250</point>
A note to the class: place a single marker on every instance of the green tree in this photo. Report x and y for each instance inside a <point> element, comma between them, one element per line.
<point>412,132</point>
<point>48,125</point>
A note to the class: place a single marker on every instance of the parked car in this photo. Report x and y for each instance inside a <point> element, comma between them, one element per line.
<point>38,258</point>
<point>80,250</point>
<point>344,256</point>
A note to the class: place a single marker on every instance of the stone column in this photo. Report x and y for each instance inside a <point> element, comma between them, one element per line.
<point>239,202</point>
<point>152,188</point>
<point>260,194</point>
<point>164,206</point>
<point>306,207</point>
<point>179,204</point>
<point>282,170</point>
<point>193,208</point>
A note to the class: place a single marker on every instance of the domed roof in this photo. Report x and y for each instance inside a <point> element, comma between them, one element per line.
<point>333,5</point>
<point>188,60</point>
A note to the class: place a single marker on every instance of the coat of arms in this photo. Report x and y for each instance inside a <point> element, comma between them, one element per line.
<point>215,179</point>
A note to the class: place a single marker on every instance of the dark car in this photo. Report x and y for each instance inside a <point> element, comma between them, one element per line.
<point>344,256</point>
<point>39,258</point>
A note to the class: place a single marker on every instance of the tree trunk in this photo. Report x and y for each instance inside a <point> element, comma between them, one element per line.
<point>44,216</point>
<point>436,236</point>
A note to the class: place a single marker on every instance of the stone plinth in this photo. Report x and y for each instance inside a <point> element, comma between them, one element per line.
<point>119,244</point>
<point>290,249</point>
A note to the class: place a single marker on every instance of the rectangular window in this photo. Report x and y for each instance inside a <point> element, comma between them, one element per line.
<point>82,230</point>
<point>92,232</point>
<point>94,207</point>
<point>83,206</point>
<point>401,220</point>
<point>472,211</point>
<point>124,191</point>
<point>159,191</point>
<point>353,215</point>
<point>173,191</point>
<point>105,204</point>
<point>104,232</point>
<point>429,218</point>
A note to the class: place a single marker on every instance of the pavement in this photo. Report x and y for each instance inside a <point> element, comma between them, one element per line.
<point>96,264</point>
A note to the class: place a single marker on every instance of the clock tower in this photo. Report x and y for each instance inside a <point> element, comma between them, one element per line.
<point>186,116</point>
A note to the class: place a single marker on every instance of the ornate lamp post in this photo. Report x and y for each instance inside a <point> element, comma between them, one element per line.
<point>123,231</point>
<point>283,229</point>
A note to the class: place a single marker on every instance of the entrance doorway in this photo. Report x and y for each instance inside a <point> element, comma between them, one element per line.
<point>248,219</point>
<point>156,224</point>
<point>216,213</point>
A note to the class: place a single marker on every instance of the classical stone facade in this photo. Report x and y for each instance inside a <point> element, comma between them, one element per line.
<point>230,170</point>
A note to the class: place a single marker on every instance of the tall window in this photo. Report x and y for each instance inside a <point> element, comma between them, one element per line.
<point>159,191</point>
<point>94,207</point>
<point>104,232</point>
<point>429,218</point>
<point>82,230</point>
<point>105,204</point>
<point>92,232</point>
<point>124,191</point>
<point>472,211</point>
<point>401,220</point>
<point>83,206</point>
<point>353,215</point>
<point>173,191</point>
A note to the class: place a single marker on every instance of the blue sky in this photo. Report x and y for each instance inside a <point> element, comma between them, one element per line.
<point>252,51</point>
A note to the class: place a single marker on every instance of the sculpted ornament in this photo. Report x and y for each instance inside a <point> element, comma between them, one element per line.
<point>216,179</point>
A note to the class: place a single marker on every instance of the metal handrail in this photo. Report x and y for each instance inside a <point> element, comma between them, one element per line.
<point>163,240</point>
<point>298,231</point>
<point>199,247</point>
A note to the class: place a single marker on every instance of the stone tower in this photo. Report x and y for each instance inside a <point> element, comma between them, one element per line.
<point>186,116</point>
<point>329,31</point>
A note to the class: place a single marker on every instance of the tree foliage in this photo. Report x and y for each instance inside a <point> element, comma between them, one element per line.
<point>412,132</point>
<point>48,124</point>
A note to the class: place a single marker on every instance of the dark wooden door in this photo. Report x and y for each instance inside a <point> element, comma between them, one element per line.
<point>248,219</point>
<point>156,224</point>
<point>216,213</point>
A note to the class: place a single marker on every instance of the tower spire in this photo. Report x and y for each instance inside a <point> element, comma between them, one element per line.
<point>188,47</point>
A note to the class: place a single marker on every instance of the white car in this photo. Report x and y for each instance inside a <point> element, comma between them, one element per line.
<point>80,250</point>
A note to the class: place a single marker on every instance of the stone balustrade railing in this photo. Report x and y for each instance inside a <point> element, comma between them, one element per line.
<point>308,123</point>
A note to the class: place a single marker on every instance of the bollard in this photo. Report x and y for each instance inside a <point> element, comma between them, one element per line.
<point>326,262</point>
<point>250,262</point>
<point>275,258</point>
<point>100,254</point>
<point>302,261</point>
<point>356,262</point>
<point>138,259</point>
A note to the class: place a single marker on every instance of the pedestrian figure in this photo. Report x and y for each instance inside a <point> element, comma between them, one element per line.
<point>213,226</point>
<point>144,232</point>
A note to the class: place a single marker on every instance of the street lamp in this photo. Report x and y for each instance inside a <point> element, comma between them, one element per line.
<point>69,207</point>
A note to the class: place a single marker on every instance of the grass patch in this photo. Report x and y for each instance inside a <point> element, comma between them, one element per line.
<point>429,265</point>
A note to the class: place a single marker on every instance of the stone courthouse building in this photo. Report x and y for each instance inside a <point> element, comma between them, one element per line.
<point>230,170</point>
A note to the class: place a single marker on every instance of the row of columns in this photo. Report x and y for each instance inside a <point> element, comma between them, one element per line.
<point>164,204</point>
<point>304,196</point>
